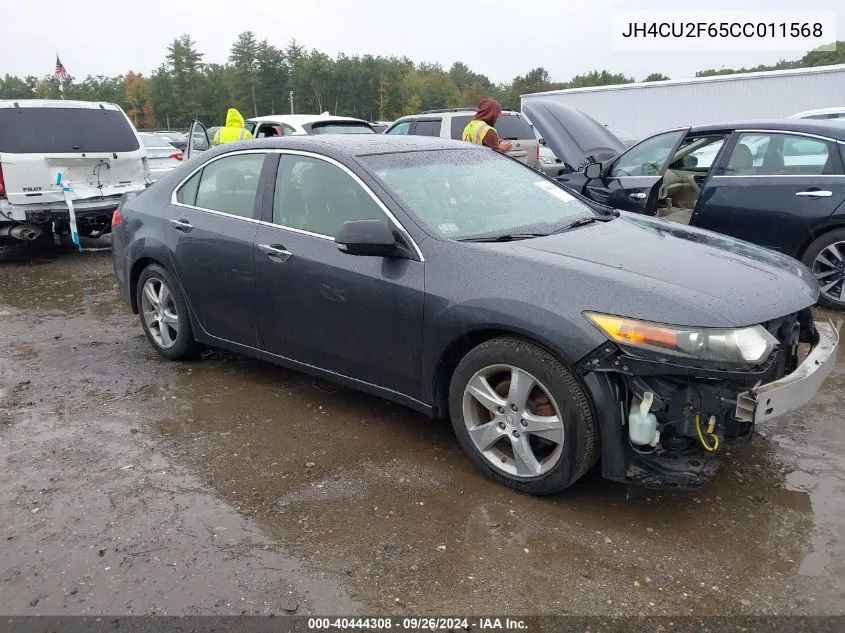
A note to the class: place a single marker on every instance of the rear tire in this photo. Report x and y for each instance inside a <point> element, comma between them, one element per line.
<point>828,269</point>
<point>164,314</point>
<point>523,417</point>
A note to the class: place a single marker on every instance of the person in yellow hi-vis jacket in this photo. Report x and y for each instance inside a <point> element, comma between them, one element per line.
<point>481,130</point>
<point>233,131</point>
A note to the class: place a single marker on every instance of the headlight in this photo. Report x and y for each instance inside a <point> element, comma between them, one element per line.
<point>732,345</point>
<point>548,160</point>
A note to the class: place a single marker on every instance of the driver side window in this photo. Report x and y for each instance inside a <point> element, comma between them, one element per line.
<point>648,157</point>
<point>316,196</point>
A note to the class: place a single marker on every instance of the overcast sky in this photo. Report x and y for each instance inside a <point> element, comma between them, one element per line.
<point>498,38</point>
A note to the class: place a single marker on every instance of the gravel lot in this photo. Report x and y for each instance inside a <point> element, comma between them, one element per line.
<point>130,484</point>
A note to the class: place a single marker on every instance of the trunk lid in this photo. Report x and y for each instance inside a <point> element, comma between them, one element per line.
<point>32,178</point>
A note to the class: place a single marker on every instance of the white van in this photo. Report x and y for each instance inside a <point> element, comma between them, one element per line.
<point>94,147</point>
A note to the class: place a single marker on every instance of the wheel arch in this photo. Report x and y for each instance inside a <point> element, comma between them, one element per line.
<point>460,346</point>
<point>833,223</point>
<point>138,267</point>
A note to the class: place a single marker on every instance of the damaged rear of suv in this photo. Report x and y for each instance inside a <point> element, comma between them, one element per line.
<point>55,155</point>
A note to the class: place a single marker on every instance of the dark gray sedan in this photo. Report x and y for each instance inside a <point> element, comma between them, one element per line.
<point>447,277</point>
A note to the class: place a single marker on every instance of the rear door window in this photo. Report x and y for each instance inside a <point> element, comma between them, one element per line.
<point>782,155</point>
<point>65,131</point>
<point>427,127</point>
<point>228,185</point>
<point>511,127</point>
<point>269,129</point>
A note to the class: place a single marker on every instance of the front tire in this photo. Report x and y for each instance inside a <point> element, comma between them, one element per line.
<point>164,314</point>
<point>522,416</point>
<point>826,258</point>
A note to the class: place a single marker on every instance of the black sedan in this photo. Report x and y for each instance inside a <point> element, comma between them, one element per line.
<point>459,282</point>
<point>779,184</point>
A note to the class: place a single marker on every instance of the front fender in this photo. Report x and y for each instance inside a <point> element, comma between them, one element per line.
<point>449,324</point>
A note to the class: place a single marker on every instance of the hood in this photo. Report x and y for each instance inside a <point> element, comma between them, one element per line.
<point>571,134</point>
<point>666,272</point>
<point>234,118</point>
<point>488,111</point>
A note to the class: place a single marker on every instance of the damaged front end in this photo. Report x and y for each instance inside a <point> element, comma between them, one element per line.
<point>668,404</point>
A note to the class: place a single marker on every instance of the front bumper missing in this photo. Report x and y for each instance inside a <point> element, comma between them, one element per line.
<point>796,389</point>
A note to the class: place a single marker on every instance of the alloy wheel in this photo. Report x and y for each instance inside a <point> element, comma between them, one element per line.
<point>513,420</point>
<point>159,310</point>
<point>829,269</point>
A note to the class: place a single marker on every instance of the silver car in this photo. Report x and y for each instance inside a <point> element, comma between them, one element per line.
<point>162,157</point>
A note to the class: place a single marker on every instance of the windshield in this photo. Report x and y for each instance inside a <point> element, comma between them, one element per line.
<point>341,128</point>
<point>471,193</point>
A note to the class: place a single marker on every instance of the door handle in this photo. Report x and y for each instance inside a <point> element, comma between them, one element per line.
<point>637,196</point>
<point>276,252</point>
<point>182,225</point>
<point>814,193</point>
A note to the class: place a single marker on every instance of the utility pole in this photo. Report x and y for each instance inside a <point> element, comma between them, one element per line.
<point>291,101</point>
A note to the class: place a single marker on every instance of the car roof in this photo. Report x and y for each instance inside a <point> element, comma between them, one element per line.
<point>348,145</point>
<point>55,103</point>
<point>817,127</point>
<point>456,111</point>
<point>834,110</point>
<point>301,119</point>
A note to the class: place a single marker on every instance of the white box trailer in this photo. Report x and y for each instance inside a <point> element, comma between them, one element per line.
<point>645,108</point>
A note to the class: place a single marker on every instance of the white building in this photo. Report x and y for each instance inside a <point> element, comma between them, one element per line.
<point>646,108</point>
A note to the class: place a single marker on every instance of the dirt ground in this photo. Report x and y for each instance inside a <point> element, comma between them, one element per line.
<point>131,484</point>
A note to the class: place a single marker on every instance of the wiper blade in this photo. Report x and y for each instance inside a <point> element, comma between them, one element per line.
<point>508,237</point>
<point>584,222</point>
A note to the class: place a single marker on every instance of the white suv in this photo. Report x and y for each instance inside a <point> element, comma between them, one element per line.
<point>94,147</point>
<point>450,123</point>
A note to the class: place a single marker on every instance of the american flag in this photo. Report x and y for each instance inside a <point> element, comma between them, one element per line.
<point>61,73</point>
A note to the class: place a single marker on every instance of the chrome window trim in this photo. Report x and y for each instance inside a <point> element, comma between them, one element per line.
<point>817,137</point>
<point>780,176</point>
<point>295,152</point>
<point>790,133</point>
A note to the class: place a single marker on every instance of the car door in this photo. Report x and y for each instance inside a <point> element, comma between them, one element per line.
<point>210,239</point>
<point>774,190</point>
<point>356,316</point>
<point>198,140</point>
<point>632,181</point>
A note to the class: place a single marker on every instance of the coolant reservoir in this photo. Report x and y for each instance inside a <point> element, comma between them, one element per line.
<point>642,425</point>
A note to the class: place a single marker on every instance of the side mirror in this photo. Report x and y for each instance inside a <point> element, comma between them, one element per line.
<point>371,238</point>
<point>593,171</point>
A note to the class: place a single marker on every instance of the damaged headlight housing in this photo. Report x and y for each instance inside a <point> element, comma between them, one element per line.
<point>747,345</point>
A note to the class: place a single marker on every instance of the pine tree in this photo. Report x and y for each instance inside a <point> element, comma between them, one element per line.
<point>243,57</point>
<point>149,122</point>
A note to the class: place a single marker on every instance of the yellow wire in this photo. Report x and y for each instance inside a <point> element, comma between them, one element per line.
<point>704,443</point>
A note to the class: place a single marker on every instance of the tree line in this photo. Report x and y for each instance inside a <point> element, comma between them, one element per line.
<point>260,78</point>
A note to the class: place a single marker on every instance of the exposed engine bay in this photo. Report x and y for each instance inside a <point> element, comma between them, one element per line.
<point>677,417</point>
